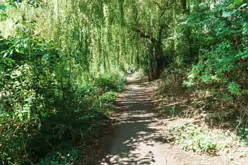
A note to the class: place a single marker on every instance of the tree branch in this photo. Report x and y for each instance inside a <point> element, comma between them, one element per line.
<point>156,3</point>
<point>163,8</point>
<point>167,7</point>
<point>144,35</point>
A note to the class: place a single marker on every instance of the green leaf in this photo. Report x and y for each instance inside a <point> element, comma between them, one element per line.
<point>238,2</point>
<point>26,43</point>
<point>235,3</point>
<point>46,56</point>
<point>227,14</point>
<point>234,88</point>
<point>5,55</point>
<point>21,51</point>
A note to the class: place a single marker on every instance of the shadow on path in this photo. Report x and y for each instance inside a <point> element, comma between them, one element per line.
<point>139,136</point>
<point>135,140</point>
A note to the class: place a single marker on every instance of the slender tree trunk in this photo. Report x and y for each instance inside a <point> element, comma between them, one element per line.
<point>158,56</point>
<point>188,31</point>
<point>104,62</point>
<point>150,62</point>
<point>154,53</point>
<point>158,53</point>
<point>184,4</point>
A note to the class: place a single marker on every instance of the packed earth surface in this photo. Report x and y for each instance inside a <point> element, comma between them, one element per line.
<point>123,82</point>
<point>139,135</point>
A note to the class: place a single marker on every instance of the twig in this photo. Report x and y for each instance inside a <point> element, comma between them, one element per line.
<point>163,8</point>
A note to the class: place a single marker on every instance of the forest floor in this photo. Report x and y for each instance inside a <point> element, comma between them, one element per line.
<point>137,135</point>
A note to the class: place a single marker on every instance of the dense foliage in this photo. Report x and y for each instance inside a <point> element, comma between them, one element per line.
<point>192,137</point>
<point>222,63</point>
<point>62,62</point>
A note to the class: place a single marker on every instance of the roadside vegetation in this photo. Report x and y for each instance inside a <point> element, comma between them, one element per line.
<point>63,63</point>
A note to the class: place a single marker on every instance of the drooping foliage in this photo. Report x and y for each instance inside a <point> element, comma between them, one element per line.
<point>58,82</point>
<point>62,60</point>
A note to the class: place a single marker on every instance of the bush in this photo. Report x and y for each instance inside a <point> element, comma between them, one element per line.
<point>111,82</point>
<point>107,102</point>
<point>108,98</point>
<point>172,81</point>
<point>221,70</point>
<point>59,122</point>
<point>192,137</point>
<point>60,157</point>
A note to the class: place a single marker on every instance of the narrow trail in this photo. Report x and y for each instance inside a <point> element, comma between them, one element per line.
<point>139,135</point>
<point>136,137</point>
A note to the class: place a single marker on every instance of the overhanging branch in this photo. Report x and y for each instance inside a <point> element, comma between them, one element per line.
<point>156,3</point>
<point>163,8</point>
<point>144,35</point>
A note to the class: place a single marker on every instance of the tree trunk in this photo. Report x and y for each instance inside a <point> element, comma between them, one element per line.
<point>157,56</point>
<point>184,4</point>
<point>150,62</point>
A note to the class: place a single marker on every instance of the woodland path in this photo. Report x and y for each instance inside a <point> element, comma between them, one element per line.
<point>139,135</point>
<point>136,139</point>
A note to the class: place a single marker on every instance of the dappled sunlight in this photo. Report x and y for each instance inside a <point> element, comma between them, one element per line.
<point>142,136</point>
<point>102,82</point>
<point>136,138</point>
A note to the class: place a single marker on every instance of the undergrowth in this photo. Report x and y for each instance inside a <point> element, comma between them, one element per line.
<point>192,137</point>
<point>63,123</point>
<point>60,157</point>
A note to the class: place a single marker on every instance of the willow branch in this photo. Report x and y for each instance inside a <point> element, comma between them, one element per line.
<point>167,7</point>
<point>163,8</point>
<point>144,35</point>
<point>156,3</point>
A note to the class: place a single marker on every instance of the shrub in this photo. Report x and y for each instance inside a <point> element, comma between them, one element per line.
<point>110,82</point>
<point>59,122</point>
<point>60,157</point>
<point>192,137</point>
<point>172,80</point>
<point>106,102</point>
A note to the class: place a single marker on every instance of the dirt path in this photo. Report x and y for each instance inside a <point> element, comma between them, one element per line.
<point>136,137</point>
<point>139,135</point>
